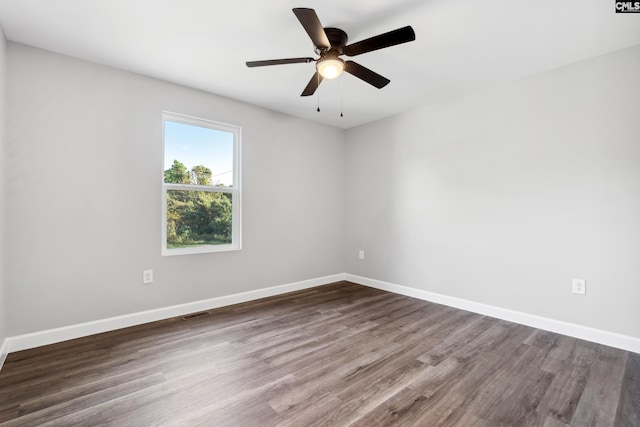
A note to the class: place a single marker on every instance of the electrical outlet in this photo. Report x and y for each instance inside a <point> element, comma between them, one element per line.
<point>579,286</point>
<point>361,254</point>
<point>147,276</point>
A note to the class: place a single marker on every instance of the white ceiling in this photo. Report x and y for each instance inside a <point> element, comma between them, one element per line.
<point>461,46</point>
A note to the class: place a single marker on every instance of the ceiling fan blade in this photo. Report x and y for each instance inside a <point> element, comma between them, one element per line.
<point>363,73</point>
<point>312,85</point>
<point>392,38</point>
<point>278,62</point>
<point>313,27</point>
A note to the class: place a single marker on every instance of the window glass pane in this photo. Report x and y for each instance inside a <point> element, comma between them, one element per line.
<point>197,155</point>
<point>196,218</point>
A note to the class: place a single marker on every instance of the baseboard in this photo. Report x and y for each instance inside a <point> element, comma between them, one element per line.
<point>599,336</point>
<point>37,339</point>
<point>4,351</point>
<point>50,336</point>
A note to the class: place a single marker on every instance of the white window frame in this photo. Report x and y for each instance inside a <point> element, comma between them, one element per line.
<point>235,190</point>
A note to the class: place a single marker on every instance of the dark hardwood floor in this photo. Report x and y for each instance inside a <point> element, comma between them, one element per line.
<point>335,355</point>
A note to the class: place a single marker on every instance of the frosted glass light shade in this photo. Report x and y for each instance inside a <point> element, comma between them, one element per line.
<point>330,68</point>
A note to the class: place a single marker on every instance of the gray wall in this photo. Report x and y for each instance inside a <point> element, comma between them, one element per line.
<point>3,303</point>
<point>83,195</point>
<point>501,197</point>
<point>504,196</point>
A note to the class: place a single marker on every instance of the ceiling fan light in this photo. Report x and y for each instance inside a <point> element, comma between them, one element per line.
<point>330,68</point>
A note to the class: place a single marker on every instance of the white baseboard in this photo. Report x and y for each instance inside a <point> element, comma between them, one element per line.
<point>599,336</point>
<point>4,351</point>
<point>37,339</point>
<point>50,336</point>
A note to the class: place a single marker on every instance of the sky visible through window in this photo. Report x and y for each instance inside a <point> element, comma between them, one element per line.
<point>196,145</point>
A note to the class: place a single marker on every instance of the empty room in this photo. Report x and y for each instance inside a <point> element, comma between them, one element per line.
<point>364,213</point>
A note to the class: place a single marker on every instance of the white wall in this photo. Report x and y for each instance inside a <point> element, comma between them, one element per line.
<point>3,304</point>
<point>504,196</point>
<point>84,168</point>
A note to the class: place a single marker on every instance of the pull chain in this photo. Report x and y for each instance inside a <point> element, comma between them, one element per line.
<point>318,92</point>
<point>341,95</point>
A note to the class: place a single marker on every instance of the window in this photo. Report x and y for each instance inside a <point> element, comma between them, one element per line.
<point>201,186</point>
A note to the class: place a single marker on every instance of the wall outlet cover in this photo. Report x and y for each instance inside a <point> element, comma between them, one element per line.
<point>147,276</point>
<point>579,286</point>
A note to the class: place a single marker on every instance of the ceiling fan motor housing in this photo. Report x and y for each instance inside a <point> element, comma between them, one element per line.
<point>338,40</point>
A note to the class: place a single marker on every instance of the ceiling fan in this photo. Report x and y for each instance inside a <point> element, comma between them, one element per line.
<point>331,43</point>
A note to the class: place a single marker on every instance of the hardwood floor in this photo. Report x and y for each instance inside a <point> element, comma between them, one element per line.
<point>335,355</point>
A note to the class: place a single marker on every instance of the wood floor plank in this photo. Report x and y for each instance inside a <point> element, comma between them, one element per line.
<point>360,397</point>
<point>69,409</point>
<point>456,340</point>
<point>599,399</point>
<point>335,355</point>
<point>566,388</point>
<point>628,413</point>
<point>480,386</point>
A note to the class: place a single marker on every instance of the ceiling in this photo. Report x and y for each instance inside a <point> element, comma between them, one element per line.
<point>461,46</point>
